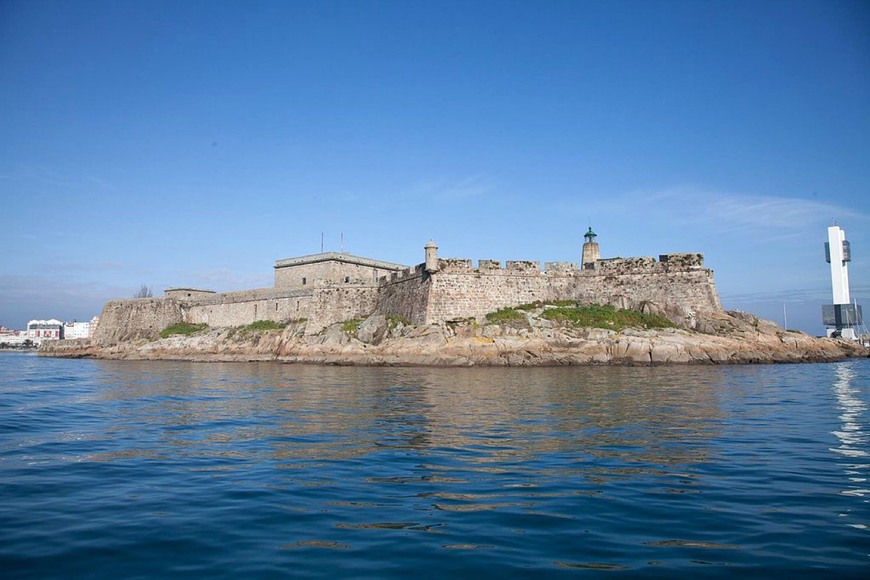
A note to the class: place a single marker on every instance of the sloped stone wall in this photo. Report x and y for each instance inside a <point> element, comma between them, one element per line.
<point>124,320</point>
<point>406,296</point>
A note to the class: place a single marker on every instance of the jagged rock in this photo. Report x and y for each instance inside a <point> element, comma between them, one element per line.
<point>334,336</point>
<point>373,329</point>
<point>491,330</point>
<point>734,338</point>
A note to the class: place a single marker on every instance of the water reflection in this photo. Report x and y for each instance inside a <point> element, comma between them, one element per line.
<point>644,417</point>
<point>261,467</point>
<point>852,436</point>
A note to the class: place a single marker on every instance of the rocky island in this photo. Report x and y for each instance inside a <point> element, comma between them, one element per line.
<point>337,308</point>
<point>533,340</point>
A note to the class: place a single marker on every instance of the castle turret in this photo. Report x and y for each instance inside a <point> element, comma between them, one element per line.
<point>431,257</point>
<point>591,253</point>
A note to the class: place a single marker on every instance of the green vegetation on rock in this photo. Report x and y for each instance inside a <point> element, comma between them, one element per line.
<point>571,313</point>
<point>395,321</point>
<point>258,325</point>
<point>351,326</point>
<point>182,328</point>
<point>503,315</point>
<point>598,316</point>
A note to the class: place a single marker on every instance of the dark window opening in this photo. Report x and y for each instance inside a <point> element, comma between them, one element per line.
<point>304,281</point>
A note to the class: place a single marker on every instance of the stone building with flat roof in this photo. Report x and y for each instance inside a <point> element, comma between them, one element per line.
<point>331,268</point>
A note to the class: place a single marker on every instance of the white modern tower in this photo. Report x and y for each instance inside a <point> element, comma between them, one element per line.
<point>842,316</point>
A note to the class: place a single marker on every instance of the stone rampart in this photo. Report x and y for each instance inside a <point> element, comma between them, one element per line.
<point>676,284</point>
<point>124,320</point>
<point>560,267</point>
<point>187,293</point>
<point>405,296</point>
<point>456,294</point>
<point>240,312</point>
<point>519,266</point>
<point>340,303</point>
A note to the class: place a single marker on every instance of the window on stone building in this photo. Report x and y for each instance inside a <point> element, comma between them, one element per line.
<point>346,279</point>
<point>304,281</point>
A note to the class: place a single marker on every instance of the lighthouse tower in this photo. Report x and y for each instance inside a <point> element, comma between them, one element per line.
<point>842,316</point>
<point>591,253</point>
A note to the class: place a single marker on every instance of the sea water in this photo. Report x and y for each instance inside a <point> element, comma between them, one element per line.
<point>164,469</point>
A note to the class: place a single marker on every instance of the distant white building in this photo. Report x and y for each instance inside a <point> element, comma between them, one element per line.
<point>75,329</point>
<point>11,337</point>
<point>39,330</point>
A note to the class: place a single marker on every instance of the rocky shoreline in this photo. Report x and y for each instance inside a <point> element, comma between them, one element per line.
<point>720,338</point>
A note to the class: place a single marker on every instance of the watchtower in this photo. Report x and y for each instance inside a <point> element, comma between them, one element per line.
<point>431,263</point>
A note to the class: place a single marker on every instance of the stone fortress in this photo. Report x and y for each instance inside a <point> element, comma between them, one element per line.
<point>328,288</point>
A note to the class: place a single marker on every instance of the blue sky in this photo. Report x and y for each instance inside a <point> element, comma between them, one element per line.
<point>194,143</point>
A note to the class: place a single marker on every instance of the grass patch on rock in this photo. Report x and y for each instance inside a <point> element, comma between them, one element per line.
<point>504,315</point>
<point>182,328</point>
<point>260,325</point>
<point>606,316</point>
<point>350,327</point>
<point>396,321</point>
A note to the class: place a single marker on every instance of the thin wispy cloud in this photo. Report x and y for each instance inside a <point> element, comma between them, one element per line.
<point>48,176</point>
<point>474,186</point>
<point>99,181</point>
<point>727,212</point>
<point>742,211</point>
<point>77,267</point>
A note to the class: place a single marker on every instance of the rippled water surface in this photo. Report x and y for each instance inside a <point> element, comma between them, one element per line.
<point>124,469</point>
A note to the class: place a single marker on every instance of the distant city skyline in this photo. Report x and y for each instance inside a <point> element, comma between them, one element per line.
<point>193,144</point>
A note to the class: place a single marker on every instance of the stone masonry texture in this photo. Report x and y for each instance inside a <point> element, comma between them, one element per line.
<point>335,291</point>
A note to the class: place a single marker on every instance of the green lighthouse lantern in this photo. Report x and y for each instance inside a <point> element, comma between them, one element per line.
<point>590,236</point>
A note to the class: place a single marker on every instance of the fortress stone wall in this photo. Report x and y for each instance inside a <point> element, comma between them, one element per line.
<point>240,308</point>
<point>137,318</point>
<point>677,283</point>
<point>340,287</point>
<point>406,295</point>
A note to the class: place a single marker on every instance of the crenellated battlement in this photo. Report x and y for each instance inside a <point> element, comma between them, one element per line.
<point>692,260</point>
<point>562,268</point>
<point>608,266</point>
<point>402,275</point>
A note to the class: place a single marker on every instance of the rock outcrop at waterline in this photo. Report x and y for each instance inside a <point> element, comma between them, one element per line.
<point>725,338</point>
